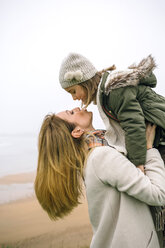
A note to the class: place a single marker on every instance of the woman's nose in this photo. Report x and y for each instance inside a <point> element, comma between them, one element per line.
<point>76,109</point>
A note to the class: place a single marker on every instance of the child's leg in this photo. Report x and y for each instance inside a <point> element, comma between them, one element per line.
<point>161,149</point>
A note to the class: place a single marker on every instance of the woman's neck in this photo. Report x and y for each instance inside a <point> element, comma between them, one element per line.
<point>91,128</point>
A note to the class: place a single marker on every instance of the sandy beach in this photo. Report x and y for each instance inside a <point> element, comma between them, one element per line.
<point>24,224</point>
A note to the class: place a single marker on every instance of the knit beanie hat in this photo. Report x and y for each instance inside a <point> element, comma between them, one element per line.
<point>75,69</point>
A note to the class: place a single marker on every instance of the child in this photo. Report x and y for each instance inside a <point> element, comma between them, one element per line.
<point>125,97</point>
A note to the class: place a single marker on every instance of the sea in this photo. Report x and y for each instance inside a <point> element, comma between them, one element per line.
<point>18,154</point>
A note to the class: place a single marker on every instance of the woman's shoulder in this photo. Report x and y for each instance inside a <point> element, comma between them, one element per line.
<point>104,163</point>
<point>98,158</point>
<point>102,149</point>
<point>102,152</point>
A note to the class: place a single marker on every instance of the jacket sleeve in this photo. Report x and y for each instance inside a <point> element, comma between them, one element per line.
<point>114,169</point>
<point>126,107</point>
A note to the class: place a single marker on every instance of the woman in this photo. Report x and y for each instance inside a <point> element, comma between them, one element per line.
<point>118,193</point>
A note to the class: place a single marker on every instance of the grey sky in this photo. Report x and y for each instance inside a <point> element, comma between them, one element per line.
<point>37,34</point>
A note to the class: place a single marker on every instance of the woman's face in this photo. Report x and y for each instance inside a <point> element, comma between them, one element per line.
<point>80,117</point>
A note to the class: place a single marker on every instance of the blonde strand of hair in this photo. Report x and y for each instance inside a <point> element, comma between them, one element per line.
<point>111,68</point>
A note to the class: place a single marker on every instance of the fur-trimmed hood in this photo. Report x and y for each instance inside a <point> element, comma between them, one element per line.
<point>131,76</point>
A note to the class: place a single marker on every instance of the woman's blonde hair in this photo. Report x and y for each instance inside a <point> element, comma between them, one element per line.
<point>58,184</point>
<point>91,86</point>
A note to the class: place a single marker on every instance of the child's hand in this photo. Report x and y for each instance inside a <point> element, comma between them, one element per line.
<point>150,135</point>
<point>141,167</point>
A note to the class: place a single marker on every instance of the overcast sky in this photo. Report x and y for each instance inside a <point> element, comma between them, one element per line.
<point>35,36</point>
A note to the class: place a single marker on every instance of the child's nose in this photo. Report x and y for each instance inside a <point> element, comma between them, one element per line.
<point>74,98</point>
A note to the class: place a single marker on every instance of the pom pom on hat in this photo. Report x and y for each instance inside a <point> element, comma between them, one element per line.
<point>70,75</point>
<point>75,69</point>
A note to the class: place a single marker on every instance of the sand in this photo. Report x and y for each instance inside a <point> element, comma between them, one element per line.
<point>24,223</point>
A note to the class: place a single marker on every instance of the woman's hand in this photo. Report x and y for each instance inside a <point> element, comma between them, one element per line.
<point>150,135</point>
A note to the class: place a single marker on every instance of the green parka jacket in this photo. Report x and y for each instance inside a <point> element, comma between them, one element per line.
<point>132,106</point>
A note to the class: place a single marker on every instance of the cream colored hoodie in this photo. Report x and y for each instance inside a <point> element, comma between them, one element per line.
<point>118,194</point>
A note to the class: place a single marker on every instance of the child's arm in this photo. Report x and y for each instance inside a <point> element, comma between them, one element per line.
<point>150,135</point>
<point>124,104</point>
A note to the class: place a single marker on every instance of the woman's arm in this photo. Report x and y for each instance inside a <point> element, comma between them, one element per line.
<point>113,168</point>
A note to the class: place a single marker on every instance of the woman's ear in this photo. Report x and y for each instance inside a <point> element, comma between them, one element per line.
<point>77,132</point>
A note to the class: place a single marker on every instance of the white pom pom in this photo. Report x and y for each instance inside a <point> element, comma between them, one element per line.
<point>69,76</point>
<point>78,75</point>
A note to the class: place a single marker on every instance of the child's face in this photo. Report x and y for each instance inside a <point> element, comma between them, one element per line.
<point>78,92</point>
